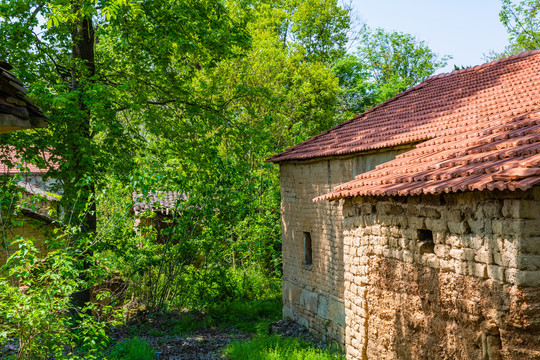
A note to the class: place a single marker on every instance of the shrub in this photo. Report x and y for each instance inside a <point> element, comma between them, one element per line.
<point>35,307</point>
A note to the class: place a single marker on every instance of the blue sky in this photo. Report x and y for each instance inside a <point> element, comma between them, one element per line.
<point>464,29</point>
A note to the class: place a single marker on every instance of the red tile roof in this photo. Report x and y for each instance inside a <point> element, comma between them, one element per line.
<point>498,89</point>
<point>10,163</point>
<point>494,154</point>
<point>480,129</point>
<point>486,139</point>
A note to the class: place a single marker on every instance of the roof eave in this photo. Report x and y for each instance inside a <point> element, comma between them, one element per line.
<point>10,123</point>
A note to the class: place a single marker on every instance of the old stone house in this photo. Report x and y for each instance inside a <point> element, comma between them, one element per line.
<point>19,112</point>
<point>412,231</point>
<point>26,210</point>
<point>26,214</point>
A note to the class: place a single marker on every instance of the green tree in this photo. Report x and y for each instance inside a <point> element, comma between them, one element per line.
<point>385,64</point>
<point>321,27</point>
<point>318,27</point>
<point>91,62</point>
<point>522,22</point>
<point>270,98</point>
<point>273,96</point>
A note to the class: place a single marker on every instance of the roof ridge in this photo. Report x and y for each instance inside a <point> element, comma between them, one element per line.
<point>484,65</point>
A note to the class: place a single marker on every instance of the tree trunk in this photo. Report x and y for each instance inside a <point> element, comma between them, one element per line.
<point>79,187</point>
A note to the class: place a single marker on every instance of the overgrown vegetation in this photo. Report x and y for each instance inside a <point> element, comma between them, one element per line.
<point>184,96</point>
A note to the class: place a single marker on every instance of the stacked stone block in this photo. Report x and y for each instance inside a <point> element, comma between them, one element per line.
<point>313,294</point>
<point>473,294</point>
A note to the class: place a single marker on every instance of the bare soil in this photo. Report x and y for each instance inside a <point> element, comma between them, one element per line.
<point>200,344</point>
<point>162,333</point>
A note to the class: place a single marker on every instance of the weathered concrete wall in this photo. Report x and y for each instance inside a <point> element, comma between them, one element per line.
<point>313,294</point>
<point>473,293</point>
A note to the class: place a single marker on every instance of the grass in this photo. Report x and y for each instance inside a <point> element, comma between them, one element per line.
<point>132,349</point>
<point>191,321</point>
<point>275,347</point>
<point>251,317</point>
<point>247,316</point>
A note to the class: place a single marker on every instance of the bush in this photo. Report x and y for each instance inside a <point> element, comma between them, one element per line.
<point>132,349</point>
<point>38,314</point>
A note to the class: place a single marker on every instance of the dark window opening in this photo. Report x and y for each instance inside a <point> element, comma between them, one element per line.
<point>425,241</point>
<point>308,252</point>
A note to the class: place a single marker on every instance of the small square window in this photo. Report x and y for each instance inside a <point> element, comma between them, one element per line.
<point>308,252</point>
<point>425,241</point>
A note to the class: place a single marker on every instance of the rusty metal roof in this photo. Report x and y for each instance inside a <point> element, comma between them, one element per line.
<point>164,202</point>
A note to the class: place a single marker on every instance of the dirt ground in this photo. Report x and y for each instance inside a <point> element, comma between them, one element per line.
<point>198,344</point>
<point>175,339</point>
<point>204,344</point>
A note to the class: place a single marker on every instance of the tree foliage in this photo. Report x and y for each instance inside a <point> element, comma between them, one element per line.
<point>385,64</point>
<point>522,22</point>
<point>320,27</point>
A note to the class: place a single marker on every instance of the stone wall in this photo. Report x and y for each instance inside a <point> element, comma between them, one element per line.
<point>455,276</point>
<point>313,294</point>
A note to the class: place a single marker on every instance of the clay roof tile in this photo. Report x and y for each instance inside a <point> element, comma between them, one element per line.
<point>476,129</point>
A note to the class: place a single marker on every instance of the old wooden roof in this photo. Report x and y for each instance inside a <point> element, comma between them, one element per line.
<point>17,110</point>
<point>164,202</point>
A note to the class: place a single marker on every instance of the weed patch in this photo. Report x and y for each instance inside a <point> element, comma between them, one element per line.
<point>132,349</point>
<point>275,347</point>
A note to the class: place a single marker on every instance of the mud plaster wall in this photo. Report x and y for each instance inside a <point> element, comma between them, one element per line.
<point>473,294</point>
<point>36,230</point>
<point>313,295</point>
